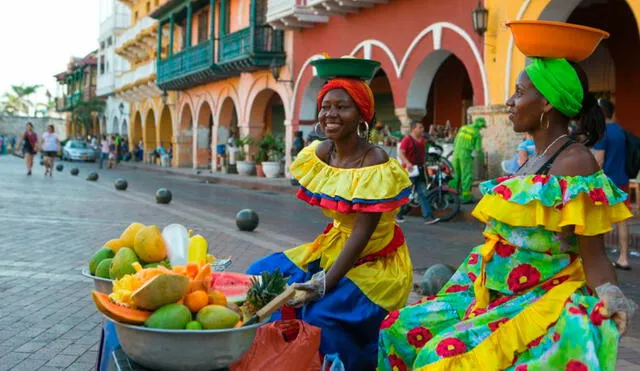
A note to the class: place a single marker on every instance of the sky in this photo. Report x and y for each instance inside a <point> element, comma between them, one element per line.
<point>38,37</point>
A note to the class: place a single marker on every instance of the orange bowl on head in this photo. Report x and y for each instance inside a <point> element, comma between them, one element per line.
<point>547,39</point>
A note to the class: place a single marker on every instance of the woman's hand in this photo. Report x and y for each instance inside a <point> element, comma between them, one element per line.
<point>616,306</point>
<point>310,291</point>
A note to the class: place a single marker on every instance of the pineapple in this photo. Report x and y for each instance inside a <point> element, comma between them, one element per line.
<point>263,290</point>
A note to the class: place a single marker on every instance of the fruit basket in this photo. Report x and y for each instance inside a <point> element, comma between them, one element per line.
<point>159,349</point>
<point>103,285</point>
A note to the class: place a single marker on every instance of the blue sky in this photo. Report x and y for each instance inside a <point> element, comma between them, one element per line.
<point>38,38</point>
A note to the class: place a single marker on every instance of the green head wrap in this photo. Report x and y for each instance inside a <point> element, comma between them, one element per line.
<point>557,81</point>
<point>479,123</point>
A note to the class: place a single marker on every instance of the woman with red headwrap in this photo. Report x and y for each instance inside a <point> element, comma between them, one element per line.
<point>359,268</point>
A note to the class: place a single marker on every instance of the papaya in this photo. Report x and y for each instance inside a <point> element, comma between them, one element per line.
<point>116,244</point>
<point>128,236</point>
<point>117,312</point>
<point>149,244</point>
<point>103,268</point>
<point>216,317</point>
<point>160,290</point>
<point>192,270</point>
<point>100,255</point>
<point>122,263</point>
<point>170,317</point>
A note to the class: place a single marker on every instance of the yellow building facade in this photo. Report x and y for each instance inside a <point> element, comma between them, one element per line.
<point>612,69</point>
<point>152,110</point>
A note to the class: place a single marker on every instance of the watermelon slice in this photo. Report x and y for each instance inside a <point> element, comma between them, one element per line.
<point>233,285</point>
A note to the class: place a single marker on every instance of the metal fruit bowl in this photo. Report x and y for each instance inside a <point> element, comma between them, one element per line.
<point>184,349</point>
<point>103,285</point>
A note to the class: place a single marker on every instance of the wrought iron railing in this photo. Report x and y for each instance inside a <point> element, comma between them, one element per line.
<point>249,41</point>
<point>186,62</point>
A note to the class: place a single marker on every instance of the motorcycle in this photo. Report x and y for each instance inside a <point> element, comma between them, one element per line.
<point>444,200</point>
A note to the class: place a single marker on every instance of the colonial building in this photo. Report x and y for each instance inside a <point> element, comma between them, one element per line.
<point>114,19</point>
<point>612,70</point>
<point>219,57</point>
<point>152,110</point>
<point>76,96</point>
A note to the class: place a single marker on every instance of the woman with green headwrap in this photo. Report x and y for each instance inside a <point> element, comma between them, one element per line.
<point>540,293</point>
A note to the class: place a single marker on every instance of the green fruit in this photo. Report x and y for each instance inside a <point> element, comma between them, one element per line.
<point>121,263</point>
<point>100,255</point>
<point>163,263</point>
<point>103,268</point>
<point>170,317</point>
<point>194,325</point>
<point>215,317</point>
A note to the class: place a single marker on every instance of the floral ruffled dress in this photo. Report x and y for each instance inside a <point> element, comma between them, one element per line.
<point>520,300</point>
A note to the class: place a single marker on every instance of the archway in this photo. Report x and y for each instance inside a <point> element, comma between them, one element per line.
<point>136,131</point>
<point>440,91</point>
<point>228,121</point>
<point>149,138</point>
<point>204,130</point>
<point>268,109</point>
<point>165,129</point>
<point>115,128</point>
<point>612,69</point>
<point>124,131</point>
<point>383,97</point>
<point>184,153</point>
<point>308,106</point>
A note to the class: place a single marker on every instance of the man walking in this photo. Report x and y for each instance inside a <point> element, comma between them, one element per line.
<point>611,154</point>
<point>412,154</point>
<point>467,145</point>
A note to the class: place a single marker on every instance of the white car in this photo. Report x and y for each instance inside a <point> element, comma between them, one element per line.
<point>78,150</point>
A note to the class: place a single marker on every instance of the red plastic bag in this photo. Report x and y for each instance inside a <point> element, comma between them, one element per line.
<point>284,346</point>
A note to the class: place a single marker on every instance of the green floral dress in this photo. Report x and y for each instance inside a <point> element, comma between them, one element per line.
<point>519,301</point>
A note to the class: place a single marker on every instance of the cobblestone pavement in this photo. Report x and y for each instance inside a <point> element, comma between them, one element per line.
<point>51,226</point>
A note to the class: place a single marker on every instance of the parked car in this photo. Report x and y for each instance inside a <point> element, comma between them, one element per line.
<point>78,150</point>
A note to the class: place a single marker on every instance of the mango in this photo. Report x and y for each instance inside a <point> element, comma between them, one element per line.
<point>121,263</point>
<point>160,290</point>
<point>170,317</point>
<point>149,244</point>
<point>128,237</point>
<point>216,317</point>
<point>193,325</point>
<point>103,268</point>
<point>100,255</point>
<point>116,244</point>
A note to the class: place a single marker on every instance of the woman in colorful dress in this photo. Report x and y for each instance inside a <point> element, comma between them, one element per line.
<point>540,293</point>
<point>359,268</point>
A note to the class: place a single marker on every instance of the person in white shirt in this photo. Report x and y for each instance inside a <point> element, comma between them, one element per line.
<point>50,146</point>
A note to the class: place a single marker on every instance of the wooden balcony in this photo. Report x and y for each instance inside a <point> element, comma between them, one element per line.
<point>250,49</point>
<point>188,68</point>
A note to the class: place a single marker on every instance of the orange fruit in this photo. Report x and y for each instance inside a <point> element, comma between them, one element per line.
<point>217,297</point>
<point>192,270</point>
<point>196,300</point>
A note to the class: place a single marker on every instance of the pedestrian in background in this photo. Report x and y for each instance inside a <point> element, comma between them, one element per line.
<point>50,147</point>
<point>104,151</point>
<point>29,142</point>
<point>611,153</point>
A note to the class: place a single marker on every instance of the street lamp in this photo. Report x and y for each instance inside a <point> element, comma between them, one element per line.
<point>480,19</point>
<point>121,108</point>
<point>275,71</point>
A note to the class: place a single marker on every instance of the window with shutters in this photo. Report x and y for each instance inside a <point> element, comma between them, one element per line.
<point>203,26</point>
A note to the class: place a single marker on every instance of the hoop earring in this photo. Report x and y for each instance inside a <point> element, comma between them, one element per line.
<point>318,129</point>
<point>366,131</point>
<point>541,117</point>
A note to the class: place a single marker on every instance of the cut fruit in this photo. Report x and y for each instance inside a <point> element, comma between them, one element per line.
<point>160,290</point>
<point>117,312</point>
<point>233,285</point>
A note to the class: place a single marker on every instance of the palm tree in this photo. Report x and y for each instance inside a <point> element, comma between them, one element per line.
<point>17,101</point>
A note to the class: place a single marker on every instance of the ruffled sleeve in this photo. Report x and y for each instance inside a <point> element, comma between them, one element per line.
<point>592,204</point>
<point>379,188</point>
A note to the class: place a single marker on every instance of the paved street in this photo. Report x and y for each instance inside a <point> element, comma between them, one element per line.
<point>51,226</point>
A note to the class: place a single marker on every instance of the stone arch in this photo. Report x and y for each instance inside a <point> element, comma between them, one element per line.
<point>165,129</point>
<point>124,127</point>
<point>136,130</point>
<point>183,154</point>
<point>441,80</point>
<point>115,128</point>
<point>267,114</point>
<point>308,106</point>
<point>203,129</point>
<point>149,135</point>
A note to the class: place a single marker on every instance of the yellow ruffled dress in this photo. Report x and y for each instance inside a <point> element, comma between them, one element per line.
<point>380,281</point>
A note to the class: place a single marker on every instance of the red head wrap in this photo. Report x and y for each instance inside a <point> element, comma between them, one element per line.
<point>358,90</point>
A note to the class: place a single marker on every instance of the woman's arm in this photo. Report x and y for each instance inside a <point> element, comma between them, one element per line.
<point>364,226</point>
<point>595,261</point>
<point>523,156</point>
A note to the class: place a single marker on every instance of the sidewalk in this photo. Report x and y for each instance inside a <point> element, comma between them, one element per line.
<point>250,182</point>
